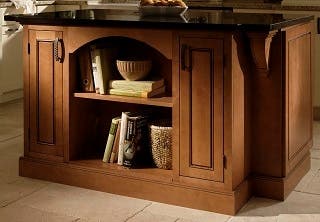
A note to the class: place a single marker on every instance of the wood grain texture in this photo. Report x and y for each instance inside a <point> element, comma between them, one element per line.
<point>176,107</point>
<point>26,90</point>
<point>267,116</point>
<point>298,94</point>
<point>161,101</point>
<point>45,94</point>
<point>240,144</point>
<point>160,40</point>
<point>201,103</point>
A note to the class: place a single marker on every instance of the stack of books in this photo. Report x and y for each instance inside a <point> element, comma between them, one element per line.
<point>128,142</point>
<point>99,74</point>
<point>144,89</point>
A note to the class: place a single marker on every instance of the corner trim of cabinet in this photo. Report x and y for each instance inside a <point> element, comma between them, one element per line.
<point>279,188</point>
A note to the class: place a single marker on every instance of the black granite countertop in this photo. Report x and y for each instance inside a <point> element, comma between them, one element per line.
<point>191,19</point>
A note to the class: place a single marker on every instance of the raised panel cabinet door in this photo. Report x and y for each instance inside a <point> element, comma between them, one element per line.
<point>201,108</point>
<point>299,94</point>
<point>45,76</point>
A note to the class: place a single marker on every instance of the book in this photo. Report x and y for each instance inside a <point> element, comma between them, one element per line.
<point>115,147</point>
<point>136,140</point>
<point>137,93</point>
<point>103,67</point>
<point>84,60</point>
<point>110,140</point>
<point>99,71</point>
<point>123,132</point>
<point>136,85</point>
<point>107,67</point>
<point>94,52</point>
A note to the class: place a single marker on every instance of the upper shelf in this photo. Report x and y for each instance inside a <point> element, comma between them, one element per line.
<point>192,19</point>
<point>162,101</point>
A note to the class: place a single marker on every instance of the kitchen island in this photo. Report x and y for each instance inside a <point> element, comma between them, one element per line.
<point>238,93</point>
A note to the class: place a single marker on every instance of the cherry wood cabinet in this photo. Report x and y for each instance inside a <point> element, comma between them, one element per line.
<point>45,93</point>
<point>201,113</point>
<point>241,120</point>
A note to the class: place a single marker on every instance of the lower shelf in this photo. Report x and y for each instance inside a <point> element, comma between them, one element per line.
<point>154,174</point>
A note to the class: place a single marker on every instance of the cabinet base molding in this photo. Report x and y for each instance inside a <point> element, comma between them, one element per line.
<point>280,188</point>
<point>170,193</point>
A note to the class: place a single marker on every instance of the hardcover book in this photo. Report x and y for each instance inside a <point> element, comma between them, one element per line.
<point>110,140</point>
<point>123,132</point>
<point>94,52</point>
<point>115,147</point>
<point>136,142</point>
<point>84,60</point>
<point>103,67</point>
<point>138,93</point>
<point>107,67</point>
<point>136,85</point>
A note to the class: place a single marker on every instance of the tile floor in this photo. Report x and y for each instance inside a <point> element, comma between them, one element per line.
<point>24,199</point>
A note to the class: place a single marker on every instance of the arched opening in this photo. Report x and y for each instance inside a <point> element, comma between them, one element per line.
<point>123,48</point>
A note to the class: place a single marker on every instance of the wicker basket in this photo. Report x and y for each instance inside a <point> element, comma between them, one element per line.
<point>161,143</point>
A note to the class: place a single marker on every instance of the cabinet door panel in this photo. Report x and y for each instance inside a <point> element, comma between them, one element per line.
<point>201,101</point>
<point>300,94</point>
<point>45,91</point>
<point>45,94</point>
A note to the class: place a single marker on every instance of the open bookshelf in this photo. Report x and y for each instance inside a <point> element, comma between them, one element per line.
<point>91,112</point>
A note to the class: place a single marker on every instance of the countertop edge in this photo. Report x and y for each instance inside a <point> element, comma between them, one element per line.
<point>30,20</point>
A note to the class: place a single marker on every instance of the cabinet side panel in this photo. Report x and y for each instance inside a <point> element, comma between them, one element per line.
<point>45,103</point>
<point>299,94</point>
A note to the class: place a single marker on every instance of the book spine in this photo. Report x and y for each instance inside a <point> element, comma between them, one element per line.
<point>85,64</point>
<point>110,140</point>
<point>136,149</point>
<point>115,147</point>
<point>102,89</point>
<point>130,148</point>
<point>93,52</point>
<point>130,86</point>
<point>123,132</point>
<point>108,70</point>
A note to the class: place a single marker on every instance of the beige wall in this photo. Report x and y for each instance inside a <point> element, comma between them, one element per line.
<point>316,78</point>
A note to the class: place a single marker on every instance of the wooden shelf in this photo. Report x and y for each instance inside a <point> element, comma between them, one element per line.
<point>155,174</point>
<point>161,101</point>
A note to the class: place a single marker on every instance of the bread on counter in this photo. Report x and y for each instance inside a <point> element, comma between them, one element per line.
<point>163,3</point>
